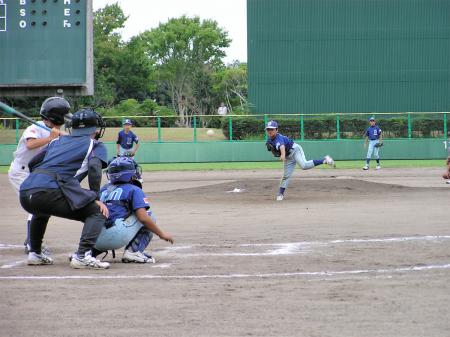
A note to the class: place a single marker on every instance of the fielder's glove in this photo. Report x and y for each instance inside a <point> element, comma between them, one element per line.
<point>378,144</point>
<point>272,149</point>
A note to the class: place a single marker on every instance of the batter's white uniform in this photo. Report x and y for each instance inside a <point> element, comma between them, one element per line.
<point>18,170</point>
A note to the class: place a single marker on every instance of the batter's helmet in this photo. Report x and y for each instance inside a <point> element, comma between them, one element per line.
<point>122,170</point>
<point>54,109</point>
<point>85,122</point>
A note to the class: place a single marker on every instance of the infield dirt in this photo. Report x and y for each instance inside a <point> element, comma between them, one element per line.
<point>347,253</point>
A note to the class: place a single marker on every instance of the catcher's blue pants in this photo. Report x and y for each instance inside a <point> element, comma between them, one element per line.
<point>297,156</point>
<point>373,149</point>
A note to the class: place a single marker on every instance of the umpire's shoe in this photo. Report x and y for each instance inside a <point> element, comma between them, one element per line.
<point>35,259</point>
<point>87,262</point>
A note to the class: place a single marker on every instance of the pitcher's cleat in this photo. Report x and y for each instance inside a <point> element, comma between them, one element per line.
<point>378,167</point>
<point>35,259</point>
<point>87,262</point>
<point>280,197</point>
<point>366,167</point>
<point>136,257</point>
<point>329,161</point>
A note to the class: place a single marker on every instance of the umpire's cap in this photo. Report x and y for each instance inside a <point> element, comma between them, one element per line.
<point>85,122</point>
<point>272,125</point>
<point>54,109</point>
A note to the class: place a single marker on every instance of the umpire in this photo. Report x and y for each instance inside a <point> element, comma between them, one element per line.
<point>53,188</point>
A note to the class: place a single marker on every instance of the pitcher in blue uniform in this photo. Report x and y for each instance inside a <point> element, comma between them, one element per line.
<point>291,154</point>
<point>130,224</point>
<point>53,188</point>
<point>374,138</point>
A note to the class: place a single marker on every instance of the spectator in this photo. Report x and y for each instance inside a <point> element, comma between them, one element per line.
<point>222,110</point>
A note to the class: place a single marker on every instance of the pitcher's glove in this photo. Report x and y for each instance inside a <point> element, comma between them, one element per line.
<point>378,144</point>
<point>272,149</point>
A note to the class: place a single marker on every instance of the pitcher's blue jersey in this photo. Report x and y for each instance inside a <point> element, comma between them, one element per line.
<point>281,140</point>
<point>126,140</point>
<point>122,200</point>
<point>68,156</point>
<point>373,132</point>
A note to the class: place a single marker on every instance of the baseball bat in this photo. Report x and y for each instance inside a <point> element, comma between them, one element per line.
<point>10,111</point>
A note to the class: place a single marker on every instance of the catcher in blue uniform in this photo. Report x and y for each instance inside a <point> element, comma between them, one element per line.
<point>130,224</point>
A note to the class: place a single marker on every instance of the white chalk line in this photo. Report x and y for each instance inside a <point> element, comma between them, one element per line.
<point>416,268</point>
<point>8,246</point>
<point>13,264</point>
<point>290,248</point>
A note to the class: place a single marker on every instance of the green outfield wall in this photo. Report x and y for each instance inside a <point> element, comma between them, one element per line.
<point>256,151</point>
<point>315,56</point>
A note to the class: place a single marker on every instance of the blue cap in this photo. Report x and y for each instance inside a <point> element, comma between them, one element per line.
<point>127,121</point>
<point>371,118</point>
<point>272,125</point>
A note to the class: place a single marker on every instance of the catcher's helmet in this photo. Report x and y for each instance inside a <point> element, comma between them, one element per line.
<point>85,122</point>
<point>54,109</point>
<point>122,170</point>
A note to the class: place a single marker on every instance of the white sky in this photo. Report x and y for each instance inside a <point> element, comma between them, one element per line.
<point>146,14</point>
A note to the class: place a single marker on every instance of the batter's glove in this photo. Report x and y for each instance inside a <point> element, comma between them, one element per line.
<point>378,144</point>
<point>272,149</point>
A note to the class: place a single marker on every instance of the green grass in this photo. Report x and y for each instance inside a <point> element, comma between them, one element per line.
<point>8,136</point>
<point>347,164</point>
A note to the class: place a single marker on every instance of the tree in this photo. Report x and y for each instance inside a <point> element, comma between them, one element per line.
<point>231,86</point>
<point>182,50</point>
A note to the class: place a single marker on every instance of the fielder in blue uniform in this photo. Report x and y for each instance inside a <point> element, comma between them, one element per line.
<point>53,188</point>
<point>130,224</point>
<point>374,138</point>
<point>126,140</point>
<point>291,154</point>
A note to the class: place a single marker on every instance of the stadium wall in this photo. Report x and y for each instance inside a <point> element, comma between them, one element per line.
<point>317,56</point>
<point>256,151</point>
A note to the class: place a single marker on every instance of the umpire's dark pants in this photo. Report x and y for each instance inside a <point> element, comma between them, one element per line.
<point>44,203</point>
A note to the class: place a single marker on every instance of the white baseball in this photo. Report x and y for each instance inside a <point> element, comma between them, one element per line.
<point>210,132</point>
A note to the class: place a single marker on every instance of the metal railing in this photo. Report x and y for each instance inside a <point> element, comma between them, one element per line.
<point>230,128</point>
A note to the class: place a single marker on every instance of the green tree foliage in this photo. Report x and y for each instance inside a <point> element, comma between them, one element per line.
<point>185,51</point>
<point>231,87</point>
<point>177,65</point>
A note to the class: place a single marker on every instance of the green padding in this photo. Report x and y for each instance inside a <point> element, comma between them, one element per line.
<point>256,151</point>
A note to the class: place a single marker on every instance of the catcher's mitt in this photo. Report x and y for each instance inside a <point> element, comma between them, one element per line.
<point>378,144</point>
<point>272,149</point>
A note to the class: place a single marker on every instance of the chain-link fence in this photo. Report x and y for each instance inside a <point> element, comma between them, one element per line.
<point>300,127</point>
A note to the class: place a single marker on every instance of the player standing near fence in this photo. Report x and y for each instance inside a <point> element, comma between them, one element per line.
<point>126,139</point>
<point>291,154</point>
<point>375,139</point>
<point>33,140</point>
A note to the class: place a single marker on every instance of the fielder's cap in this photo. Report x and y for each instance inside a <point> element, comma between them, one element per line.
<point>127,121</point>
<point>272,125</point>
<point>371,118</point>
<point>84,131</point>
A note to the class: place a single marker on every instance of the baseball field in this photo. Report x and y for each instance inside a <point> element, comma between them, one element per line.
<point>347,253</point>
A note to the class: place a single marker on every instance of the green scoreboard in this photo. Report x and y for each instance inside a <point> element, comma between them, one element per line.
<point>46,47</point>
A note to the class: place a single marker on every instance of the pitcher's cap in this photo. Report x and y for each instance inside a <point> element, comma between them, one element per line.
<point>272,125</point>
